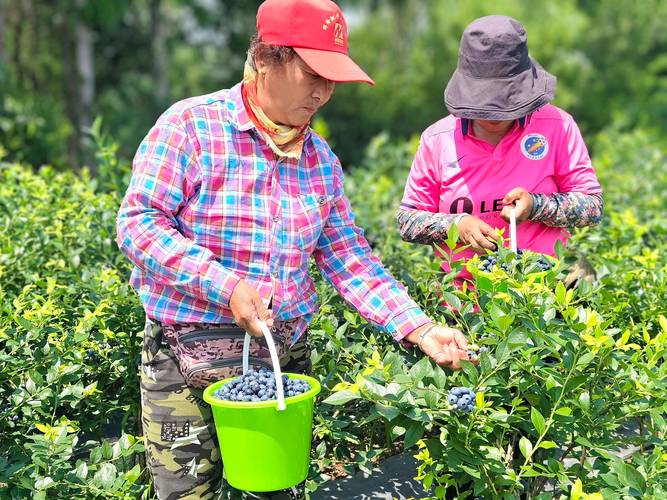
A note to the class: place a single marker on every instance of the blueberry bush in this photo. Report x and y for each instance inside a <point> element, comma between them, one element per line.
<point>567,398</point>
<point>570,391</point>
<point>68,344</point>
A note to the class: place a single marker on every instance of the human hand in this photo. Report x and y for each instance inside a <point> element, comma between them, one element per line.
<point>445,346</point>
<point>478,234</point>
<point>520,199</point>
<point>249,309</point>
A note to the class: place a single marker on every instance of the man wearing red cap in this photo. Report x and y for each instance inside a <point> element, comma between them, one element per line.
<point>231,194</point>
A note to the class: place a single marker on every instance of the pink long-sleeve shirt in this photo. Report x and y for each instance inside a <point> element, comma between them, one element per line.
<point>454,172</point>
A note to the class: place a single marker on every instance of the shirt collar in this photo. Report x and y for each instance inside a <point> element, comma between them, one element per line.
<point>466,122</point>
<point>238,115</point>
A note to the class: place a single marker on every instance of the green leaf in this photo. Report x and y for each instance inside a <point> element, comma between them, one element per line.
<point>452,237</point>
<point>44,482</point>
<point>388,412</point>
<point>584,441</point>
<point>517,337</point>
<point>82,471</point>
<point>560,294</point>
<point>525,446</point>
<point>551,383</point>
<point>633,478</point>
<point>564,411</point>
<point>413,434</point>
<point>501,351</point>
<point>350,317</point>
<point>471,371</point>
<point>341,397</point>
<point>421,369</point>
<point>548,445</point>
<point>133,474</point>
<point>452,300</point>
<point>472,472</point>
<point>538,420</point>
<point>106,475</point>
<point>107,451</point>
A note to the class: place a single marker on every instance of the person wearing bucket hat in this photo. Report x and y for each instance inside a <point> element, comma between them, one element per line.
<point>503,146</point>
<point>231,194</point>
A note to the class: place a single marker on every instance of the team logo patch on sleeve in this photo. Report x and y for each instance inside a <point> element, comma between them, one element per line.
<point>534,146</point>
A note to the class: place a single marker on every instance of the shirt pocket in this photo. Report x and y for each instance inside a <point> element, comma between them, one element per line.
<point>313,210</point>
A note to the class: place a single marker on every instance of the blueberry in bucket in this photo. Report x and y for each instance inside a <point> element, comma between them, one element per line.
<point>259,386</point>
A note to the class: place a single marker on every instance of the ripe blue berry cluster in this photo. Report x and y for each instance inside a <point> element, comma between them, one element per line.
<point>474,351</point>
<point>488,262</point>
<point>5,411</point>
<point>259,386</point>
<point>462,398</point>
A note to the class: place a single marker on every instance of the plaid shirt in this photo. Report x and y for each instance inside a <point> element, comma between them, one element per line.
<point>209,204</point>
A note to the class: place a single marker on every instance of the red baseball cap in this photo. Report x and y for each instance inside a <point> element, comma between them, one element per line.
<point>317,31</point>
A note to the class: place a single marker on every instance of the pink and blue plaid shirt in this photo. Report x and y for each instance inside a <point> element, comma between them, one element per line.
<point>209,204</point>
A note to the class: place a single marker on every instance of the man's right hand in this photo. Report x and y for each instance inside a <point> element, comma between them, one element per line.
<point>248,309</point>
<point>476,233</point>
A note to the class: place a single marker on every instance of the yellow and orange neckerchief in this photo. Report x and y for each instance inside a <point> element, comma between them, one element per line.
<point>282,139</point>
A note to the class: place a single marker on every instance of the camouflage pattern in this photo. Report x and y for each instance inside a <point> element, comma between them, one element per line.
<point>182,452</point>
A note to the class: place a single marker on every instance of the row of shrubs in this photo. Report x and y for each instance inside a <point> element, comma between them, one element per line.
<point>570,377</point>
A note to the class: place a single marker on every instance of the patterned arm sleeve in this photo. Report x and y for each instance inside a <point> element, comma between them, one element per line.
<point>421,226</point>
<point>567,209</point>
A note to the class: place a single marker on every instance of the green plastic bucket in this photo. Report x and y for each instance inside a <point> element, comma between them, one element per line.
<point>264,448</point>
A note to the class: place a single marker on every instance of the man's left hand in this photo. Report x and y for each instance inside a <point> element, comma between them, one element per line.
<point>521,200</point>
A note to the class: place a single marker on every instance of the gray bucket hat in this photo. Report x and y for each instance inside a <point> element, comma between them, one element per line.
<point>495,78</point>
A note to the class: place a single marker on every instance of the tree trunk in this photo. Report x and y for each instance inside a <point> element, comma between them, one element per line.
<point>3,59</point>
<point>85,64</point>
<point>158,34</point>
<point>18,38</point>
<point>71,89</point>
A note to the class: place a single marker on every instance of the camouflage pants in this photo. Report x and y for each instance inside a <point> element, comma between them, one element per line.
<point>182,452</point>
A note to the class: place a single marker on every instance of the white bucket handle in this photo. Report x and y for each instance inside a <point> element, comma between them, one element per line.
<point>280,393</point>
<point>513,242</point>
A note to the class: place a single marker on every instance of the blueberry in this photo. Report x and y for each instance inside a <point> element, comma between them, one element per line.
<point>470,408</point>
<point>465,399</point>
<point>451,399</point>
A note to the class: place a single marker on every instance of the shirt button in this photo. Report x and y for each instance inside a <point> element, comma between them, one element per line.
<point>276,218</point>
<point>321,200</point>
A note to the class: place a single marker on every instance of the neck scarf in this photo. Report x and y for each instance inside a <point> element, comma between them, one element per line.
<point>283,140</point>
